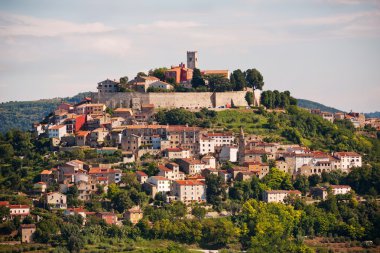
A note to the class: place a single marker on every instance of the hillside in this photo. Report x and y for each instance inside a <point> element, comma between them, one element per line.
<point>22,114</point>
<point>304,103</point>
<point>372,115</point>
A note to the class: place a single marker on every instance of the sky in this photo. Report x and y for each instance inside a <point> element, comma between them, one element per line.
<point>327,51</point>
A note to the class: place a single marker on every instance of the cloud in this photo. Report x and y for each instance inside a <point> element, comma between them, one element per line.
<point>167,24</point>
<point>19,25</point>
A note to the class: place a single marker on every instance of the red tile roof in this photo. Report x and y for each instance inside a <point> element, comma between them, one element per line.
<point>45,172</point>
<point>346,154</point>
<point>189,182</point>
<point>141,173</point>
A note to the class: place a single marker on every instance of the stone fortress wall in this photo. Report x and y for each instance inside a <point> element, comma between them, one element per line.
<point>188,100</point>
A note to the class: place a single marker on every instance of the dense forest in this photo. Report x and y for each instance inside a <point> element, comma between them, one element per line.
<point>22,114</point>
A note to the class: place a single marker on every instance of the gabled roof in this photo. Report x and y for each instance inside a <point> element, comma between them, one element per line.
<point>189,182</point>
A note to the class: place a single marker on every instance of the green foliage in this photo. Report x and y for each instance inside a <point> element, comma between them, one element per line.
<point>249,97</point>
<point>314,105</point>
<point>215,190</point>
<point>275,99</point>
<point>198,212</point>
<point>278,180</point>
<point>237,80</point>
<point>254,79</point>
<point>159,73</point>
<point>197,80</point>
<point>218,83</point>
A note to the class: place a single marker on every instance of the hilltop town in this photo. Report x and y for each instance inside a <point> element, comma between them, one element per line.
<point>155,149</point>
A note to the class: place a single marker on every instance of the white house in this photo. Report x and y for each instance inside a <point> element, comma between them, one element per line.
<point>161,85</point>
<point>57,131</point>
<point>348,160</point>
<point>162,183</point>
<point>340,189</point>
<point>229,153</point>
<point>171,171</point>
<point>221,139</point>
<point>206,145</point>
<point>209,161</point>
<point>56,200</point>
<point>278,196</point>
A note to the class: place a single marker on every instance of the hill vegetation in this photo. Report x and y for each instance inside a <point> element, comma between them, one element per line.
<point>304,103</point>
<point>22,114</point>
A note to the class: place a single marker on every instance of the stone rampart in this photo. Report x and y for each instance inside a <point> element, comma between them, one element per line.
<point>188,100</point>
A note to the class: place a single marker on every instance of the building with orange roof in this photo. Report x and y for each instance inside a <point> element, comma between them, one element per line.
<point>179,74</point>
<point>110,175</point>
<point>348,160</point>
<point>57,131</point>
<point>189,191</point>
<point>82,138</point>
<point>191,166</point>
<point>170,171</point>
<point>134,215</point>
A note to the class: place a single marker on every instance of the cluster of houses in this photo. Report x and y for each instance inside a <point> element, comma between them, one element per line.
<point>357,119</point>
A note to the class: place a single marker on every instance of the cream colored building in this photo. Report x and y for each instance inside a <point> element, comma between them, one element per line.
<point>278,196</point>
<point>189,191</point>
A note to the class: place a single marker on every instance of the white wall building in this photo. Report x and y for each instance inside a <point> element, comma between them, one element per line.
<point>348,160</point>
<point>278,196</point>
<point>229,153</point>
<point>206,145</point>
<point>57,131</point>
<point>162,183</point>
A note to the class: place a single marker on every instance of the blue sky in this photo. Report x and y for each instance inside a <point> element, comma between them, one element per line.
<point>323,50</point>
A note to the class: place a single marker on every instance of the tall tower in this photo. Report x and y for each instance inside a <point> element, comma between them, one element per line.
<point>192,59</point>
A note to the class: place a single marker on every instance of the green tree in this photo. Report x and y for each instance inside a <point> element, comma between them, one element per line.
<point>218,83</point>
<point>238,80</point>
<point>75,243</point>
<point>197,80</point>
<point>249,97</point>
<point>199,212</point>
<point>215,190</point>
<point>254,79</point>
<point>123,80</point>
<point>159,73</point>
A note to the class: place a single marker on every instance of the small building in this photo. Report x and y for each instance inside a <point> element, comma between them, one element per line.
<point>57,131</point>
<point>322,192</point>
<point>19,210</point>
<point>56,200</point>
<point>27,232</point>
<point>191,166</point>
<point>278,196</point>
<point>141,176</point>
<point>40,187</point>
<point>162,183</point>
<point>189,191</point>
<point>177,153</point>
<point>108,217</point>
<point>134,215</point>
<point>229,153</point>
